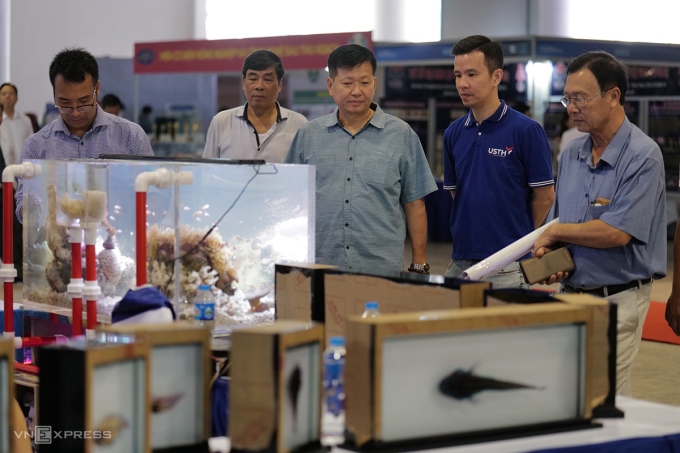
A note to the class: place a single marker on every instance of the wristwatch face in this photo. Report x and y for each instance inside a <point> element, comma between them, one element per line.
<point>420,268</point>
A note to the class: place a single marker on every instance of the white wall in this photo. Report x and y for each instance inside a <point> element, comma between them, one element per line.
<point>106,28</point>
<point>492,18</point>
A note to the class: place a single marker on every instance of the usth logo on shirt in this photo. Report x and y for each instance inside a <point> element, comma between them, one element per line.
<point>500,152</point>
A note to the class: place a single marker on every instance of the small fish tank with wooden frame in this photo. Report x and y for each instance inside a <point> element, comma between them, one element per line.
<point>180,381</point>
<point>276,387</point>
<point>465,375</point>
<point>256,215</point>
<point>99,393</point>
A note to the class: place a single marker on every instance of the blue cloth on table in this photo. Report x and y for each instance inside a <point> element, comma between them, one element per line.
<point>663,444</point>
<point>138,301</point>
<point>220,408</point>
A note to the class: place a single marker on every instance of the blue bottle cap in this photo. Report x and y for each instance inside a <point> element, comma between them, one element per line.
<point>337,341</point>
<point>371,305</point>
<point>204,288</point>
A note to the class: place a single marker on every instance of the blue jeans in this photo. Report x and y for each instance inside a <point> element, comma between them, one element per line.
<point>510,277</point>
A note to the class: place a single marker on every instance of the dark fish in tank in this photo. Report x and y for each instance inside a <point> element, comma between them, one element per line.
<point>110,427</point>
<point>462,384</point>
<point>293,387</point>
<point>164,403</point>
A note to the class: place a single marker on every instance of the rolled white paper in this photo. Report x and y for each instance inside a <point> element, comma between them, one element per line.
<point>505,256</point>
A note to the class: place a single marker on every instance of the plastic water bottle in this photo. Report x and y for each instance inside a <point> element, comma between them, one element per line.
<point>333,426</point>
<point>204,308</point>
<point>371,310</point>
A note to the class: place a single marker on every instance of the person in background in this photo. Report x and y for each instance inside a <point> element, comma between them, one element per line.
<point>82,130</point>
<point>17,243</point>
<point>523,108</point>
<point>611,202</point>
<point>112,104</point>
<point>497,166</point>
<point>15,128</point>
<point>568,132</point>
<point>145,120</point>
<point>371,174</point>
<point>260,129</point>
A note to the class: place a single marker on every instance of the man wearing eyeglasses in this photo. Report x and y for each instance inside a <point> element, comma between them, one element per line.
<point>83,130</point>
<point>611,201</point>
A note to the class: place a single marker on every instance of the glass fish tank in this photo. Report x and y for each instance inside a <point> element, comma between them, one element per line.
<point>227,230</point>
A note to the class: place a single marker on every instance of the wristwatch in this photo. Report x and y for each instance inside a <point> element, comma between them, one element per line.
<point>419,268</point>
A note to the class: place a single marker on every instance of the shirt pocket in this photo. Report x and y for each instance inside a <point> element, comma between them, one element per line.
<point>597,211</point>
<point>325,170</point>
<point>381,169</point>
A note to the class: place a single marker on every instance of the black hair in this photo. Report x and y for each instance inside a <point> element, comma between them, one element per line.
<point>9,84</point>
<point>74,65</point>
<point>492,50</point>
<point>146,110</point>
<point>261,60</point>
<point>350,56</point>
<point>111,100</point>
<point>608,71</point>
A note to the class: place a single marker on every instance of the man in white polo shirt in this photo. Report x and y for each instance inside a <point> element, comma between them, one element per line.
<point>15,128</point>
<point>260,129</point>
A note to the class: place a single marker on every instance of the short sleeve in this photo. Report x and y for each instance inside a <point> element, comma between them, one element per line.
<point>294,155</point>
<point>416,179</point>
<point>536,156</point>
<point>636,198</point>
<point>450,179</point>
<point>211,149</point>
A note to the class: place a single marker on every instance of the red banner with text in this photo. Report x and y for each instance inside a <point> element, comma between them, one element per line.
<point>227,55</point>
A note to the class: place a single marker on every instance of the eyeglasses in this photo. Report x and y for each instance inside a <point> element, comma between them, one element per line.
<point>579,101</point>
<point>81,108</point>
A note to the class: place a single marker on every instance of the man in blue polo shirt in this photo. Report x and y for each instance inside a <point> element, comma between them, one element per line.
<point>611,201</point>
<point>497,165</point>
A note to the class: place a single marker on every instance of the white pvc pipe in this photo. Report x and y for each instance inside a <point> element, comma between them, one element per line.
<point>162,178</point>
<point>27,170</point>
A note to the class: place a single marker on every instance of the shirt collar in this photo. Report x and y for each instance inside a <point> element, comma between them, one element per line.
<point>377,120</point>
<point>242,112</point>
<point>613,152</point>
<point>496,117</point>
<point>100,119</point>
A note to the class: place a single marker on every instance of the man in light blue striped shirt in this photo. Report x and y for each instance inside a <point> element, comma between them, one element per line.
<point>371,174</point>
<point>83,130</point>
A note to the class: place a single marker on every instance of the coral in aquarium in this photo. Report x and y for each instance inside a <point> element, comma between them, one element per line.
<point>58,270</point>
<point>211,262</point>
<point>195,255</point>
<point>109,268</point>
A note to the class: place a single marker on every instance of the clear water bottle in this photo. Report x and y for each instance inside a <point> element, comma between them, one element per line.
<point>371,310</point>
<point>333,426</point>
<point>204,308</point>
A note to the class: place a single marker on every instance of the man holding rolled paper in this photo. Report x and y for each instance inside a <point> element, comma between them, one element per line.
<point>610,201</point>
<point>497,165</point>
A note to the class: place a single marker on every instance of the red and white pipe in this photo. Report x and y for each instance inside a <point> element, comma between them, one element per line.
<point>8,273</point>
<point>91,290</point>
<point>161,178</point>
<point>75,288</point>
<point>30,342</point>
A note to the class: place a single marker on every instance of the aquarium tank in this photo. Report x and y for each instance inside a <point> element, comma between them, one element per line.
<point>227,229</point>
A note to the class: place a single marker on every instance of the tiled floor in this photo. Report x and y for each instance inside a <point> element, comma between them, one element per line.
<point>656,370</point>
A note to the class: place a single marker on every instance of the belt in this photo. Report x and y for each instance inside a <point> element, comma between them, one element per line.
<point>604,291</point>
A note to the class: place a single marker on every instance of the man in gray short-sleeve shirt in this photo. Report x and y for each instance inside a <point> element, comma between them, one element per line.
<point>371,174</point>
<point>260,129</point>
